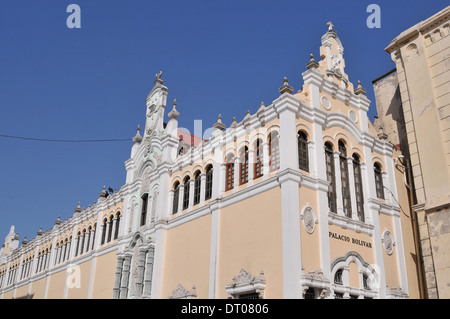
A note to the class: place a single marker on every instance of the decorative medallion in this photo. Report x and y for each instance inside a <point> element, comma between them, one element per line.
<point>388,242</point>
<point>325,103</point>
<point>309,219</point>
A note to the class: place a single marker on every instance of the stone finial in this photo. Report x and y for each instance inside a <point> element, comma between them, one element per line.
<point>24,241</point>
<point>173,115</point>
<point>78,208</point>
<point>262,106</point>
<point>312,62</point>
<point>158,78</point>
<point>330,25</point>
<point>103,192</point>
<point>219,125</point>
<point>381,134</point>
<point>233,123</point>
<point>286,88</point>
<point>58,221</point>
<point>137,138</point>
<point>359,89</point>
<point>40,232</point>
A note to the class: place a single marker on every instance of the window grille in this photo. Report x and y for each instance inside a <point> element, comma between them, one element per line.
<point>209,181</point>
<point>330,177</point>
<point>303,160</point>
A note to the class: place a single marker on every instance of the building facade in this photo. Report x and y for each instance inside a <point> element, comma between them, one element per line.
<point>301,199</point>
<point>413,103</point>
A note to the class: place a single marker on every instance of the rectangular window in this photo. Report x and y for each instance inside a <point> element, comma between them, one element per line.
<point>330,178</point>
<point>346,200</point>
<point>230,176</point>
<point>358,190</point>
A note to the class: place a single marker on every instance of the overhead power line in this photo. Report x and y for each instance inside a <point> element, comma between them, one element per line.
<point>64,140</point>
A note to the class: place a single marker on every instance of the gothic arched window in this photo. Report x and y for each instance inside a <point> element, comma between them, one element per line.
<point>303,159</point>
<point>209,182</point>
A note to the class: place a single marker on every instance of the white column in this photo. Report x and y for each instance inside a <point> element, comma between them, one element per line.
<point>289,178</point>
<point>219,180</point>
<point>191,194</point>
<point>180,197</point>
<point>236,173</point>
<point>266,160</point>
<point>318,157</point>
<point>213,256</point>
<point>251,165</point>
<point>203,187</point>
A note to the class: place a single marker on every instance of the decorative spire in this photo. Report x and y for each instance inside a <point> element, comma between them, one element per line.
<point>381,135</point>
<point>158,78</point>
<point>24,241</point>
<point>330,25</point>
<point>219,125</point>
<point>360,89</point>
<point>78,208</point>
<point>173,115</point>
<point>39,233</point>
<point>261,106</point>
<point>286,88</point>
<point>137,138</point>
<point>103,192</point>
<point>233,123</point>
<point>58,221</point>
<point>312,62</point>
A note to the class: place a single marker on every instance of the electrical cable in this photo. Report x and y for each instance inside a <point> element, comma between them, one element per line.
<point>63,140</point>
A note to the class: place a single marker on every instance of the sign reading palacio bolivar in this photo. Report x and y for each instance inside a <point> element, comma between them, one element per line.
<point>350,239</point>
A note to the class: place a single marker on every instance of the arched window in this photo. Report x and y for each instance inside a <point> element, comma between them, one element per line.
<point>309,294</point>
<point>197,187</point>
<point>209,181</point>
<point>303,159</point>
<point>103,231</point>
<point>378,180</point>
<point>338,277</point>
<point>329,162</point>
<point>176,196</point>
<point>358,187</point>
<point>186,192</point>
<point>111,226</point>
<point>229,179</point>
<point>116,231</point>
<point>258,160</point>
<point>83,240</point>
<point>78,242</point>
<point>274,151</point>
<point>346,199</point>
<point>243,165</point>
<point>144,209</point>
<point>89,239</point>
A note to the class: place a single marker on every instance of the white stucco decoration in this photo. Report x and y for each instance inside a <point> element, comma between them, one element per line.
<point>309,219</point>
<point>388,242</point>
<point>326,103</point>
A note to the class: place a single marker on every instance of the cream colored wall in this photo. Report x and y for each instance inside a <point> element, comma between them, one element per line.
<point>73,290</point>
<point>21,292</point>
<point>105,267</point>
<point>250,238</point>
<point>187,257</point>
<point>38,289</point>
<point>310,243</point>
<point>57,283</point>
<point>390,261</point>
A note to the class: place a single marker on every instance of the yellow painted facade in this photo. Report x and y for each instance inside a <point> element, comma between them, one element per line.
<point>286,203</point>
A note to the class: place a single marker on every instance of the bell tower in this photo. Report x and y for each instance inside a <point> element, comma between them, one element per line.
<point>156,103</point>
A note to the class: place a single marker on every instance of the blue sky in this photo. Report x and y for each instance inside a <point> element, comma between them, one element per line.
<point>220,56</point>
